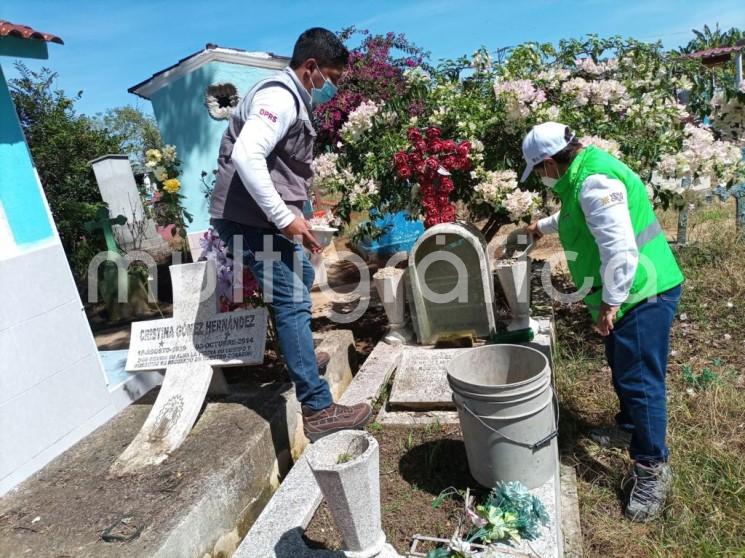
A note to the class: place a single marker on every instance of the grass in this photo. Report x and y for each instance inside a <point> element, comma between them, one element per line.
<point>343,458</point>
<point>706,402</point>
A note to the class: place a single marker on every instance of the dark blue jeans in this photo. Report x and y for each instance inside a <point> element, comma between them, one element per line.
<point>637,351</point>
<point>286,278</point>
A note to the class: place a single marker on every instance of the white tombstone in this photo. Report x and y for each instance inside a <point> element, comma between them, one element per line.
<point>452,289</point>
<point>187,346</point>
<point>119,190</point>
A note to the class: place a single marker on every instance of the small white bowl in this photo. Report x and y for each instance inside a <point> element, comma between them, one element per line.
<point>323,235</point>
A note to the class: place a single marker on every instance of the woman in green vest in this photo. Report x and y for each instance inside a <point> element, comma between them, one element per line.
<point>627,276</point>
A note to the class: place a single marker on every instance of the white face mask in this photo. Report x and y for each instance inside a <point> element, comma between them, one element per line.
<point>548,181</point>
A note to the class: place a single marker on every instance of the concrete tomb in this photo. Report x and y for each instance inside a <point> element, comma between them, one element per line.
<point>187,346</point>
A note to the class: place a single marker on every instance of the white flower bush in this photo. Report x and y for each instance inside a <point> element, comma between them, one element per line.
<point>417,76</point>
<point>330,176</point>
<point>360,120</point>
<point>701,163</point>
<point>611,146</point>
<point>609,92</point>
<point>728,117</point>
<point>500,190</point>
<point>520,96</point>
<point>589,66</point>
<point>521,203</point>
<point>495,185</point>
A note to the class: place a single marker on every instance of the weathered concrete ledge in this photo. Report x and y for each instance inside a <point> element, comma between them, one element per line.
<point>200,502</point>
<point>339,344</point>
<point>193,504</point>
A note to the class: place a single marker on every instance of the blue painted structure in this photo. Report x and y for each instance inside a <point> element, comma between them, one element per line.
<point>178,98</point>
<point>400,236</point>
<point>21,198</point>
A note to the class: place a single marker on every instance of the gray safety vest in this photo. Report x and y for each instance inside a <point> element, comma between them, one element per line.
<point>289,162</point>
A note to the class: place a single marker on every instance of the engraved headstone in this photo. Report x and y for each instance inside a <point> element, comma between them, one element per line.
<point>187,346</point>
<point>452,289</point>
<point>227,339</point>
<point>420,382</point>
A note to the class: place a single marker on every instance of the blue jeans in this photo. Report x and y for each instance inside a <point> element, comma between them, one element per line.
<point>637,350</point>
<point>286,281</point>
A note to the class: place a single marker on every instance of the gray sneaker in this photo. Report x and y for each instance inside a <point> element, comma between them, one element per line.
<point>650,487</point>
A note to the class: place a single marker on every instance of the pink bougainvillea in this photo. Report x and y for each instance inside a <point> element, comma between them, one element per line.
<point>374,73</point>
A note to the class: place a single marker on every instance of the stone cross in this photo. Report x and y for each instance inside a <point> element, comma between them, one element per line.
<point>104,222</point>
<point>187,346</point>
<point>109,284</point>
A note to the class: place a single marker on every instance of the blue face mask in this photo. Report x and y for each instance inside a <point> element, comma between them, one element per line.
<point>324,94</point>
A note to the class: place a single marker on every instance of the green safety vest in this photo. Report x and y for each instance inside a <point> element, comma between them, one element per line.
<point>657,270</point>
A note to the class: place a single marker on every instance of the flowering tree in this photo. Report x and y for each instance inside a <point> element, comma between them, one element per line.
<point>363,172</point>
<point>375,73</point>
<point>621,95</point>
<point>618,94</point>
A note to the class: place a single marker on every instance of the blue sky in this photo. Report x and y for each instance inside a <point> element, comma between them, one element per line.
<point>110,46</point>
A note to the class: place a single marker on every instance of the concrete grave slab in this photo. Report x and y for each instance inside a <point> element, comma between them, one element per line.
<point>420,382</point>
<point>201,501</point>
<point>277,533</point>
<point>416,418</point>
<point>571,527</point>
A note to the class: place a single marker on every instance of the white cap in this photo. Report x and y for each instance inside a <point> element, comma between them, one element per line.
<point>543,141</point>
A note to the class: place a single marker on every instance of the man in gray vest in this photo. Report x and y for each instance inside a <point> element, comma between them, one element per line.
<point>263,179</point>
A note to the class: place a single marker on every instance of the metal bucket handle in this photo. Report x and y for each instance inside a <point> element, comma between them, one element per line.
<point>540,443</point>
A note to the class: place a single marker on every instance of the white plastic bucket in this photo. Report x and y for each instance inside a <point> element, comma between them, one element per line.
<point>507,414</point>
<point>493,369</point>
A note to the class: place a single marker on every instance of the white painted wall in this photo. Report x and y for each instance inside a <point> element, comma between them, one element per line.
<point>53,390</point>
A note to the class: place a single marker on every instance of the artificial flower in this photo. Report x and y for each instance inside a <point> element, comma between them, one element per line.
<point>171,185</point>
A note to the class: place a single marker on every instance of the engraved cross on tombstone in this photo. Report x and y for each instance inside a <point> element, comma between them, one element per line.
<point>187,346</point>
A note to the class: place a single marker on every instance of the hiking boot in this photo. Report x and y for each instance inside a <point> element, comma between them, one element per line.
<point>318,424</point>
<point>611,437</point>
<point>650,486</point>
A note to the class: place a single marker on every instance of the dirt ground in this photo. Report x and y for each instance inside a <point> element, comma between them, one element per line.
<point>416,465</point>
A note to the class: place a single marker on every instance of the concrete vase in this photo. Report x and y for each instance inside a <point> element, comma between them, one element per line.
<point>346,467</point>
<point>389,282</point>
<point>514,277</point>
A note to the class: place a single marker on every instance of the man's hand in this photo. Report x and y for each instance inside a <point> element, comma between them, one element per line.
<point>533,230</point>
<point>604,325</point>
<point>298,230</point>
